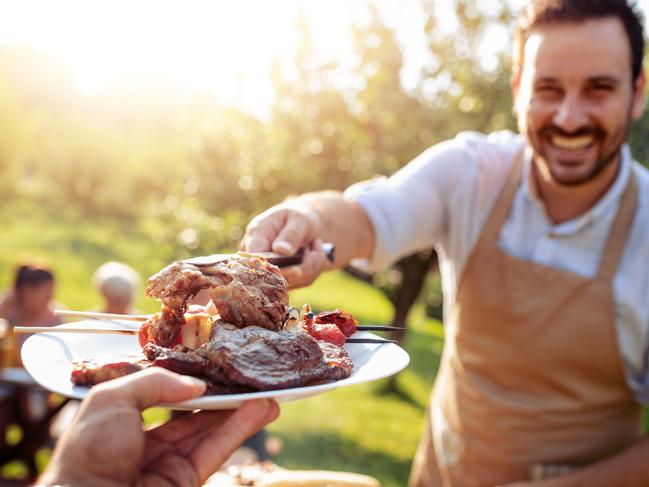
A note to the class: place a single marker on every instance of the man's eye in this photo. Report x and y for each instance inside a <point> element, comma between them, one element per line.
<point>548,90</point>
<point>599,90</point>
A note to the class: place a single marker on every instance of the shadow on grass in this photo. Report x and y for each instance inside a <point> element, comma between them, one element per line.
<point>425,353</point>
<point>327,451</point>
<point>391,388</point>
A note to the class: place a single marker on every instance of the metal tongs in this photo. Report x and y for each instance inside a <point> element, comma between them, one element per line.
<point>288,260</point>
<point>274,258</point>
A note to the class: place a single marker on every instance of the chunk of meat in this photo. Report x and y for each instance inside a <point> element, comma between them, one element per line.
<point>254,292</point>
<point>163,328</point>
<point>345,322</point>
<point>89,372</point>
<point>257,358</point>
<point>327,332</point>
<point>246,290</point>
<point>177,283</point>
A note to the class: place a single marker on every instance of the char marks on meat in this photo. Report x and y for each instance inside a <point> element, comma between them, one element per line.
<point>253,292</point>
<point>246,290</point>
<point>176,284</point>
<point>257,358</point>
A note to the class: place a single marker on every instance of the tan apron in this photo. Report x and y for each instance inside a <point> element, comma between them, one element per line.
<point>532,375</point>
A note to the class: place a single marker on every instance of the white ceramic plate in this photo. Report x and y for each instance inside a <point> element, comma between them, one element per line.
<point>48,358</point>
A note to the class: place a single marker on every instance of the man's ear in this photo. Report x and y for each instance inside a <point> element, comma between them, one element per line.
<point>639,86</point>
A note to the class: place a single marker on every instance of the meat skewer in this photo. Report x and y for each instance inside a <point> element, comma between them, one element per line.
<point>111,316</point>
<point>92,315</point>
<point>128,331</point>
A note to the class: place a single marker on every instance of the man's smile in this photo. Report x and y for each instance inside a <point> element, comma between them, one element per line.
<point>572,142</point>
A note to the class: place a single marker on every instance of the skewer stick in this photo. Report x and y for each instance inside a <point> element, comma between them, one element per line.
<point>100,316</point>
<point>51,329</point>
<point>123,331</point>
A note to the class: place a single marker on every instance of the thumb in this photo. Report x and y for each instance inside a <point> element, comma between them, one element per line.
<point>149,388</point>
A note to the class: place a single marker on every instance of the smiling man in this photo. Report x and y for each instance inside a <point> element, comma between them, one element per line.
<point>543,239</point>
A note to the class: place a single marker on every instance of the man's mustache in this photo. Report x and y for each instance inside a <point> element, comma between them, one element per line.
<point>550,130</point>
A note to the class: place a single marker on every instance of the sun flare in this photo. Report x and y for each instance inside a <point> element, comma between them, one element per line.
<point>225,49</point>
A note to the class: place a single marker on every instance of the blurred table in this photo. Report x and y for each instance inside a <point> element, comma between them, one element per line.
<point>26,404</point>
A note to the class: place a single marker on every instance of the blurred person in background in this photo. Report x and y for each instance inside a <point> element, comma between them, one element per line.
<point>29,302</point>
<point>118,285</point>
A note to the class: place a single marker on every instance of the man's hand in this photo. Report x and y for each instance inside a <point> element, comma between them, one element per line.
<point>107,445</point>
<point>285,229</point>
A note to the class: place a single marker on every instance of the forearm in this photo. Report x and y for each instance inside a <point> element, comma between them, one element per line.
<point>625,469</point>
<point>343,222</point>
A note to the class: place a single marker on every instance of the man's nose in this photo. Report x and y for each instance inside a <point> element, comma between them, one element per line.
<point>571,114</point>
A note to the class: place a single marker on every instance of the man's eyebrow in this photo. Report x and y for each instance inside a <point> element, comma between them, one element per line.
<point>545,79</point>
<point>612,80</point>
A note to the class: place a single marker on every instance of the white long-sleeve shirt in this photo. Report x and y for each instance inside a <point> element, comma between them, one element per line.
<point>443,199</point>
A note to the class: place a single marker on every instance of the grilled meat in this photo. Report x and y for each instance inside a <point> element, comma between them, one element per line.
<point>246,351</point>
<point>246,290</point>
<point>257,358</point>
<point>89,372</point>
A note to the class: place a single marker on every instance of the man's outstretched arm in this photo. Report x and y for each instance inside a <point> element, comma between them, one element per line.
<point>307,221</point>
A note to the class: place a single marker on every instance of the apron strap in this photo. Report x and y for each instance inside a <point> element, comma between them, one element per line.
<point>619,231</point>
<point>502,207</point>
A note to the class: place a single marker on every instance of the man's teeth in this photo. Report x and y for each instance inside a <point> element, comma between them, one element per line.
<point>572,143</point>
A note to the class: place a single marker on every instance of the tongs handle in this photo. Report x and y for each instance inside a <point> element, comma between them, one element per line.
<point>295,259</point>
<point>272,257</point>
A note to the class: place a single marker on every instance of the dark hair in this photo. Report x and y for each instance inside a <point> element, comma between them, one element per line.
<point>32,275</point>
<point>540,12</point>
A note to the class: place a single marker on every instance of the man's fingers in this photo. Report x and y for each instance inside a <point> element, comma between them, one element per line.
<point>262,230</point>
<point>299,230</point>
<point>218,446</point>
<point>182,434</point>
<point>314,262</point>
<point>256,242</point>
<point>188,425</point>
<point>148,388</point>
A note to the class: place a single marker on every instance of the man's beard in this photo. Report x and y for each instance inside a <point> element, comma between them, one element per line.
<point>606,154</point>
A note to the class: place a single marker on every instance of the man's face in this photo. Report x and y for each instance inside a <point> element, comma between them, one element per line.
<point>575,98</point>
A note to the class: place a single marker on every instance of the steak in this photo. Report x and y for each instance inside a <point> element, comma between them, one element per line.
<point>246,290</point>
<point>256,358</point>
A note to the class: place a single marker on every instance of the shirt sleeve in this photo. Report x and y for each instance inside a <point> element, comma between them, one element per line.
<point>411,210</point>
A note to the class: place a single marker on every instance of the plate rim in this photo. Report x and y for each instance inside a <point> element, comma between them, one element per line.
<point>217,400</point>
